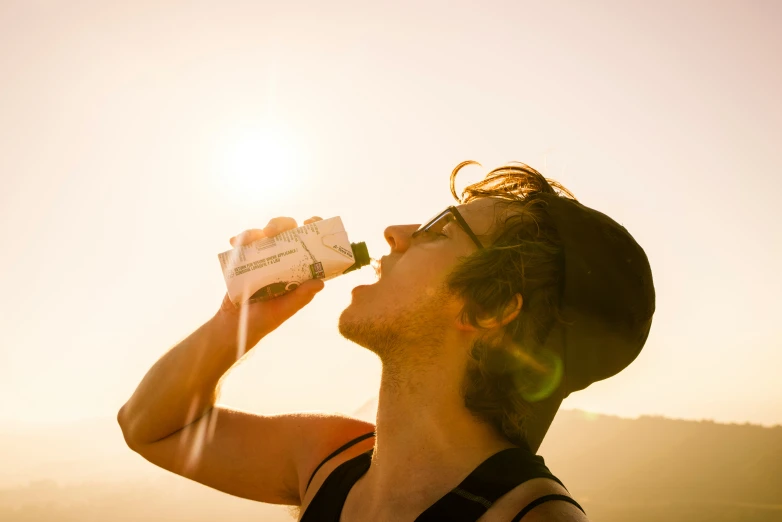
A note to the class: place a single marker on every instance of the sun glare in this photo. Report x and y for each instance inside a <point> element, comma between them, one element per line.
<point>255,163</point>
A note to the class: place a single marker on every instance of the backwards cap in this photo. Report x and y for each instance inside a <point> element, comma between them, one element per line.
<point>608,293</point>
<point>608,301</point>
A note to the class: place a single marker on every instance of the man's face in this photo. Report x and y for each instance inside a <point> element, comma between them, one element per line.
<point>409,304</point>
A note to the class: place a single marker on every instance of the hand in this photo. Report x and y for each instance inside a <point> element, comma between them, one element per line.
<point>262,318</point>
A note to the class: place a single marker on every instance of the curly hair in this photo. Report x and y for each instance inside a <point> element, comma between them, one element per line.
<point>524,257</point>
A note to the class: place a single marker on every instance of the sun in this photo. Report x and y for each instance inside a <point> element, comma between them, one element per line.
<point>259,161</point>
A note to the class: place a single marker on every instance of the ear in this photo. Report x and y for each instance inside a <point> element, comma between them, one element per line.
<point>509,313</point>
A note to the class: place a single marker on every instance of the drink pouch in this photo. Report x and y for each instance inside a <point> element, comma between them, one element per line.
<point>273,266</point>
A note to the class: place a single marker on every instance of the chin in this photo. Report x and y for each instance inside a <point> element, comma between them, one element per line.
<point>352,310</point>
<point>371,333</point>
<point>352,316</point>
<point>359,307</point>
<point>347,317</point>
<point>385,323</point>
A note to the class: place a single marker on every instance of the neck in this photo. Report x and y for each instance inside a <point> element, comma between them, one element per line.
<point>426,441</point>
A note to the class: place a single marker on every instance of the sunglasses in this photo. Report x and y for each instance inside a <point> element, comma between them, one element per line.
<point>448,215</point>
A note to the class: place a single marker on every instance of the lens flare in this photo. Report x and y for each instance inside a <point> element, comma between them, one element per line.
<point>536,375</point>
<point>210,431</point>
<point>188,434</point>
<point>197,445</point>
<point>241,341</point>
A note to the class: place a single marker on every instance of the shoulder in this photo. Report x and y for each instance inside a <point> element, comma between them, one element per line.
<point>513,502</point>
<point>555,511</point>
<point>323,460</point>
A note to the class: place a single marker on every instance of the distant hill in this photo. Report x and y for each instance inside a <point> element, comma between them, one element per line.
<point>653,468</point>
<point>646,469</point>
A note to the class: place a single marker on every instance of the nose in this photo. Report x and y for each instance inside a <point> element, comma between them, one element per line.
<point>398,236</point>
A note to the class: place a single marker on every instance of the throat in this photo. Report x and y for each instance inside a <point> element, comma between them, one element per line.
<point>427,442</point>
<point>394,493</point>
<point>360,505</point>
<point>425,435</point>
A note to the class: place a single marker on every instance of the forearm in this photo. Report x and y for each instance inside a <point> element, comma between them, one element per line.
<point>182,385</point>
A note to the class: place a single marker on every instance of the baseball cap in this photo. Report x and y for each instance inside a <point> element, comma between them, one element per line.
<point>607,302</point>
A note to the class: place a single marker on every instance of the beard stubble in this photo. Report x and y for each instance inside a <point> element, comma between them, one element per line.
<point>401,337</point>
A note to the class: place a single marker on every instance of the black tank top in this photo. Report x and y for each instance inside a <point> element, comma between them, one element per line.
<point>467,502</point>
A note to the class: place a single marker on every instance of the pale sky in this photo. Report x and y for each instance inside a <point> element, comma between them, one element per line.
<point>136,138</point>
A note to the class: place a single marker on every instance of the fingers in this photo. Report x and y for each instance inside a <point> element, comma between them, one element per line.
<point>276,226</point>
<point>247,237</point>
<point>280,309</point>
<point>279,225</point>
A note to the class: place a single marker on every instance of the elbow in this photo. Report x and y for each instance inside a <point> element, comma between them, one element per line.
<point>122,420</point>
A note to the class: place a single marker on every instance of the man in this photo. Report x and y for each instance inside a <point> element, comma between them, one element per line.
<point>484,319</point>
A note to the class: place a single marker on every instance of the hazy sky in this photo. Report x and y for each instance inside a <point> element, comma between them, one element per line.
<point>137,137</point>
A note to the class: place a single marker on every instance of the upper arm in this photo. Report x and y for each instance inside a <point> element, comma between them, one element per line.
<point>259,457</point>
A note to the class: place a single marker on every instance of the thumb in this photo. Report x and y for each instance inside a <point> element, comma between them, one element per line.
<point>280,309</point>
<point>311,286</point>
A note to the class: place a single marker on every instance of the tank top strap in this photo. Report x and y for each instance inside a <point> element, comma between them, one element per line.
<point>327,504</point>
<point>493,478</point>
<point>337,452</point>
<point>467,502</point>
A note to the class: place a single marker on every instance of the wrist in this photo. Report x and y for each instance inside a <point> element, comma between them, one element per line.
<point>226,332</point>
